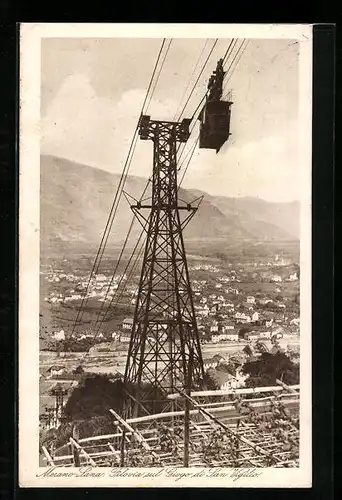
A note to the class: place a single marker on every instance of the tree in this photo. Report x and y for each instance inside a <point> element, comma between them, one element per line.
<point>242,332</point>
<point>48,437</point>
<point>97,393</point>
<point>229,367</point>
<point>87,410</point>
<point>293,354</point>
<point>248,350</point>
<point>209,381</point>
<point>268,368</point>
<point>93,396</point>
<point>78,370</point>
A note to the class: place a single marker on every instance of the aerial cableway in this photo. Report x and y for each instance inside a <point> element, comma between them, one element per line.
<point>164,350</point>
<point>162,55</point>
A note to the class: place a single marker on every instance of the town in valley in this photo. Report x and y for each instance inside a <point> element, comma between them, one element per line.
<point>170,335</point>
<point>244,307</point>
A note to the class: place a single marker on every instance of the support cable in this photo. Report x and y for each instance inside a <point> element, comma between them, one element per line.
<point>205,95</point>
<point>229,50</point>
<point>158,75</point>
<point>236,58</point>
<point>191,76</point>
<point>117,197</point>
<point>100,322</point>
<point>199,76</point>
<point>237,62</point>
<point>190,152</point>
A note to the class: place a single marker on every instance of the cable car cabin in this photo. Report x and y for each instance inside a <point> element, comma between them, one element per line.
<point>215,124</point>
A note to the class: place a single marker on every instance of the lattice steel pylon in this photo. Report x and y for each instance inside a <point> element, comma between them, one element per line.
<point>164,328</point>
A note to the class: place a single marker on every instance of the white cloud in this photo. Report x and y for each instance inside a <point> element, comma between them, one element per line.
<point>267,168</point>
<point>86,128</point>
<point>81,126</point>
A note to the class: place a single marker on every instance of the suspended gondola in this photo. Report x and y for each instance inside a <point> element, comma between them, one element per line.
<point>215,115</point>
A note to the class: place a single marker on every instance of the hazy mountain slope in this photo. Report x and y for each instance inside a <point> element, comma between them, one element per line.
<point>76,200</point>
<point>284,216</point>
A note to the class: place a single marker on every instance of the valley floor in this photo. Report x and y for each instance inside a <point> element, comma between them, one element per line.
<point>114,363</point>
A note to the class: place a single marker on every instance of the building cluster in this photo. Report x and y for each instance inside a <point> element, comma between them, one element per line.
<point>227,311</point>
<point>240,317</point>
<point>225,308</point>
<point>71,287</point>
<point>204,267</point>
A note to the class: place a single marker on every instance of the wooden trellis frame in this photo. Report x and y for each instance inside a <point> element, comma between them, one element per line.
<point>141,433</point>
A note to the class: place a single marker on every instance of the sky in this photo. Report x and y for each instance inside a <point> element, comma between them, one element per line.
<point>92,91</point>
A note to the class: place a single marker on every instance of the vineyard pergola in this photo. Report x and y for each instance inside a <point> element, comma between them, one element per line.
<point>237,428</point>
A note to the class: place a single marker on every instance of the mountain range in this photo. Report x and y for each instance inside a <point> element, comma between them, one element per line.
<point>76,200</point>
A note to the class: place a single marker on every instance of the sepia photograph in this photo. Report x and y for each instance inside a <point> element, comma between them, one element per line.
<point>165,246</point>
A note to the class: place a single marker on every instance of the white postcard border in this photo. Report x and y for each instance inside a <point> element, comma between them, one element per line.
<point>30,475</point>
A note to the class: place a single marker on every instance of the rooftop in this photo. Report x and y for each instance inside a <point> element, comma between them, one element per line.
<point>128,320</point>
<point>222,377</point>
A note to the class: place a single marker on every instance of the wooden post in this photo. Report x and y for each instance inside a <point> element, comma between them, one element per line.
<point>137,435</point>
<point>187,412</point>
<point>77,462</point>
<point>115,458</point>
<point>122,448</point>
<point>82,451</point>
<point>137,403</point>
<point>47,456</point>
<point>75,451</point>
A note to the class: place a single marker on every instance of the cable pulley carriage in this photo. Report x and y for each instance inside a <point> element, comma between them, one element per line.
<point>215,115</point>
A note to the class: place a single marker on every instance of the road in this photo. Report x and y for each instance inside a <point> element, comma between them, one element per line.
<point>223,348</point>
<point>115,361</point>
